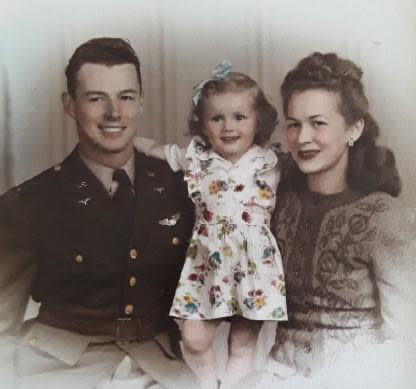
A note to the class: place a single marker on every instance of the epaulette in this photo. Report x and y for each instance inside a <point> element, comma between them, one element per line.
<point>32,185</point>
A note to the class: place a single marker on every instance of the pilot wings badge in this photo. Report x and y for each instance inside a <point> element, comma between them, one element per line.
<point>171,220</point>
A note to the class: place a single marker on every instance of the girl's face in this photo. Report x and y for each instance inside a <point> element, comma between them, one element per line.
<point>230,123</point>
<point>317,137</point>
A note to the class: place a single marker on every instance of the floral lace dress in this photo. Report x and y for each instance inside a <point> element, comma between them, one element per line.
<point>233,265</point>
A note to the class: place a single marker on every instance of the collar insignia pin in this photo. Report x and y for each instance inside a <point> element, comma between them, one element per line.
<point>82,184</point>
<point>84,201</point>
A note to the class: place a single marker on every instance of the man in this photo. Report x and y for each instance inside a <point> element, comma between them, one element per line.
<point>99,241</point>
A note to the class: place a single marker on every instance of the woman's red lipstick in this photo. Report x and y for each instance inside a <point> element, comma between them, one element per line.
<point>308,154</point>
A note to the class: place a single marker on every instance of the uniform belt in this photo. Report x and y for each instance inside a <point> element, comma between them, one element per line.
<point>119,329</point>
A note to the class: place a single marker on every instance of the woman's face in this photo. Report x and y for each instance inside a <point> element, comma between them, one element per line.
<point>317,137</point>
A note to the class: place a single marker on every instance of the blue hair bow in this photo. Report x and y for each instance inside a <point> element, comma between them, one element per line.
<point>221,71</point>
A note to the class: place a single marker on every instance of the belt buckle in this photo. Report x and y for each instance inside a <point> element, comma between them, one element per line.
<point>127,330</point>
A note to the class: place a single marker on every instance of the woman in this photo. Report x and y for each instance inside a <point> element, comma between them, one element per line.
<point>348,246</point>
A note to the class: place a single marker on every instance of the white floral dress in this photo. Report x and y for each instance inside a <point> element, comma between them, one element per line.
<point>233,265</point>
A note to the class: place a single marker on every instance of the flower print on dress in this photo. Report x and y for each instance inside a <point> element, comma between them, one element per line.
<point>193,180</point>
<point>252,267</point>
<point>265,192</point>
<point>243,246</point>
<point>188,304</point>
<point>205,164</point>
<point>197,278</point>
<point>196,197</point>
<point>192,249</point>
<point>203,230</point>
<point>246,217</point>
<point>233,304</point>
<point>226,251</point>
<point>269,252</point>
<point>255,300</point>
<point>208,215</point>
<point>232,238</point>
<point>278,313</point>
<point>238,273</point>
<point>215,296</point>
<point>279,284</point>
<point>217,186</point>
<point>214,261</point>
<point>226,227</point>
<point>239,188</point>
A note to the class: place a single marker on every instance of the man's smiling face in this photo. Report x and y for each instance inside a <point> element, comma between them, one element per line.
<point>106,108</point>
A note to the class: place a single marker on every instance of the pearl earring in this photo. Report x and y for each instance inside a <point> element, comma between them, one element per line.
<point>350,142</point>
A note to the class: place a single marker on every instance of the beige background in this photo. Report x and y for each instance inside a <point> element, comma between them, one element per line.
<point>179,42</point>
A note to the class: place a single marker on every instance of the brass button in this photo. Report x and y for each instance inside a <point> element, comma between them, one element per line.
<point>79,258</point>
<point>132,281</point>
<point>128,309</point>
<point>176,241</point>
<point>32,340</point>
<point>307,348</point>
<point>57,168</point>
<point>133,253</point>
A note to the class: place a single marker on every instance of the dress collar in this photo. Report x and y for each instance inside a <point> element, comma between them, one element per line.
<point>255,151</point>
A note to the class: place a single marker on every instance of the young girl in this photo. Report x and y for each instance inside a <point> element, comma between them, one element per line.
<point>233,266</point>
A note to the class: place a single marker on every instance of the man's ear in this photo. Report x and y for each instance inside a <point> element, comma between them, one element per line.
<point>69,104</point>
<point>355,131</point>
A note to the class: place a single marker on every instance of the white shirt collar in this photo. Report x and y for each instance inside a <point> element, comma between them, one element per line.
<point>105,173</point>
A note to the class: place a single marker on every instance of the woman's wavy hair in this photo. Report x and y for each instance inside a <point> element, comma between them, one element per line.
<point>266,113</point>
<point>370,167</point>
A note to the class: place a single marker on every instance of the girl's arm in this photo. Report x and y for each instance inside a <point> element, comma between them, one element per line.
<point>172,153</point>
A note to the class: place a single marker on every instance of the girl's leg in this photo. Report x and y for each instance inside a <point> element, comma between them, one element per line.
<point>197,337</point>
<point>242,349</point>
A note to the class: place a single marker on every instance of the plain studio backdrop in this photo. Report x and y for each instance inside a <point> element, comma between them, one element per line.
<point>179,42</point>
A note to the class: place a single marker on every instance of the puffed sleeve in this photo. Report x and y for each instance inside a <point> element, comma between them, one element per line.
<point>172,153</point>
<point>17,270</point>
<point>394,265</point>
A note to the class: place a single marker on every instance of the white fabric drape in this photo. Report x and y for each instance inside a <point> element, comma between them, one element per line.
<point>179,42</point>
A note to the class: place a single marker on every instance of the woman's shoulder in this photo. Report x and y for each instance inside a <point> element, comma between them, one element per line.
<point>392,217</point>
<point>387,206</point>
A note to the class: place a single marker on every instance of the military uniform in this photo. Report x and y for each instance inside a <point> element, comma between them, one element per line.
<point>63,242</point>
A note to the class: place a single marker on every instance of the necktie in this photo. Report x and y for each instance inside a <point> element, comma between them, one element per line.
<point>123,199</point>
